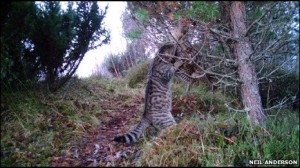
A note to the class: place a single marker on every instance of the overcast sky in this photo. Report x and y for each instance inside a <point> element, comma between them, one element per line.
<point>112,21</point>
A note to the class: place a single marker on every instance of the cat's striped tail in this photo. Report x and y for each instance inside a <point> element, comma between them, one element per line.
<point>133,135</point>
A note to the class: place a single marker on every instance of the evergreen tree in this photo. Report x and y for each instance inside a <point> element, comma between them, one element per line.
<point>52,42</point>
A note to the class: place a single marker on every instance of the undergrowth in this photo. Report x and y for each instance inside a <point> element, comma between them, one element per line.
<point>36,125</point>
<point>224,140</point>
<point>136,75</point>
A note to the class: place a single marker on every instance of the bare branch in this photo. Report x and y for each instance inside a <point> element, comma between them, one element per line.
<point>279,105</point>
<point>263,15</point>
<point>223,34</point>
<point>276,69</point>
<point>232,109</point>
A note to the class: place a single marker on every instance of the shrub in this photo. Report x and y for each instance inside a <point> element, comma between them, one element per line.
<point>137,74</point>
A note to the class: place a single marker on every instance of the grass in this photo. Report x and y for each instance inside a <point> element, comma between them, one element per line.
<point>221,141</point>
<point>35,126</point>
<point>136,75</point>
<point>213,136</point>
<point>23,123</point>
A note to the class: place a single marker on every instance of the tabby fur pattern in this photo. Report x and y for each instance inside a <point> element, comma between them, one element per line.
<point>158,94</point>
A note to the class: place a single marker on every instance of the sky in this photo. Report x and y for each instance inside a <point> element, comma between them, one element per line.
<point>112,22</point>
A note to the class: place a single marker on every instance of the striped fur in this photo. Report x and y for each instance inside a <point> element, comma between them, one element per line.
<point>158,96</point>
<point>183,76</point>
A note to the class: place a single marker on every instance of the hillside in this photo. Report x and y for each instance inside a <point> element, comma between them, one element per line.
<point>75,127</point>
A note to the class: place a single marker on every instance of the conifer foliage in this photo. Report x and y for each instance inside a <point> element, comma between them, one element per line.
<point>43,41</point>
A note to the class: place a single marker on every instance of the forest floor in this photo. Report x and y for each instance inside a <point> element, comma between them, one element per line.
<point>75,127</point>
<point>97,147</point>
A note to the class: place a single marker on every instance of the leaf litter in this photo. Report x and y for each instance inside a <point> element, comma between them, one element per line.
<point>96,147</point>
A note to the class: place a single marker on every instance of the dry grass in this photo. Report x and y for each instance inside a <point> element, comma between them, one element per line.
<point>222,142</point>
<point>37,126</point>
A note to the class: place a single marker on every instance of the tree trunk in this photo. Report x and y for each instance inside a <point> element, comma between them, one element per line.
<point>242,50</point>
<point>115,69</point>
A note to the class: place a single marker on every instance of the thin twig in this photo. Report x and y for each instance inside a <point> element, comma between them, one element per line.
<point>257,20</point>
<point>281,103</point>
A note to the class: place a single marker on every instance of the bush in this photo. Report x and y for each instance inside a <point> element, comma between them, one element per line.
<point>137,74</point>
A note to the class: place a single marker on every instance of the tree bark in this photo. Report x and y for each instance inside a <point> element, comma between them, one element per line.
<point>242,50</point>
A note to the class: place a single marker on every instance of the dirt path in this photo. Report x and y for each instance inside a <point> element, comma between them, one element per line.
<point>98,148</point>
